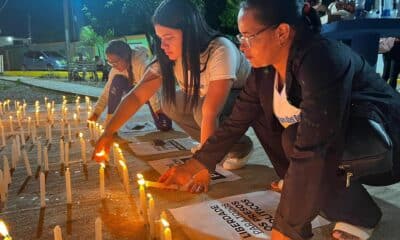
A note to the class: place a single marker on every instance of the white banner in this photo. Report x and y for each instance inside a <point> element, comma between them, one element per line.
<point>246,216</point>
<point>220,174</point>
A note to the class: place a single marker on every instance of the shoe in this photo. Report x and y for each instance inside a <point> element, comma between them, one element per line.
<point>239,154</point>
<point>344,230</point>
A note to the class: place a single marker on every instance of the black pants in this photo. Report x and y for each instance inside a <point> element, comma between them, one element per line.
<point>352,205</point>
<point>119,87</point>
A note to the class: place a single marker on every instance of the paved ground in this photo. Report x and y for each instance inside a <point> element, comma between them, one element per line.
<point>119,211</point>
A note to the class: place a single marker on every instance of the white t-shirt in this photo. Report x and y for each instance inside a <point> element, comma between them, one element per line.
<point>286,113</point>
<point>225,61</point>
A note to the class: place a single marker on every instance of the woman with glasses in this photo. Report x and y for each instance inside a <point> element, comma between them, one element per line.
<point>208,69</point>
<point>127,68</point>
<point>325,118</point>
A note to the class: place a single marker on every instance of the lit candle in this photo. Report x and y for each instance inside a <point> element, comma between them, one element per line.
<point>142,196</point>
<point>46,159</point>
<point>14,154</point>
<point>29,125</point>
<point>6,168</point>
<point>62,152</point>
<point>45,100</point>
<point>39,153</point>
<point>101,174</point>
<point>3,136</point>
<point>4,231</point>
<point>151,215</point>
<point>37,116</point>
<point>66,158</point>
<point>27,164</point>
<point>166,230</point>
<point>62,127</point>
<point>115,156</point>
<point>22,137</point>
<point>33,133</point>
<point>125,176</point>
<point>17,140</point>
<point>83,148</point>
<point>101,156</point>
<point>75,120</point>
<point>68,186</point>
<point>42,190</point>
<point>69,133</point>
<point>57,233</point>
<point>98,230</point>
<point>11,125</point>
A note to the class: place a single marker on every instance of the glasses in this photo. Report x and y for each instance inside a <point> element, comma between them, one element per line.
<point>247,39</point>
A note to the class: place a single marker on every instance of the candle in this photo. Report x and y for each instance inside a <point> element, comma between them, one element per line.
<point>29,125</point>
<point>166,230</point>
<point>76,120</point>
<point>27,164</point>
<point>69,132</point>
<point>4,231</point>
<point>57,233</point>
<point>62,127</point>
<point>101,174</point>
<point>17,140</point>
<point>115,156</point>
<point>66,158</point>
<point>33,133</point>
<point>2,188</point>
<point>125,176</point>
<point>22,137</point>
<point>37,116</point>
<point>68,186</point>
<point>3,136</point>
<point>45,100</point>
<point>42,190</point>
<point>50,133</point>
<point>142,197</point>
<point>46,159</point>
<point>39,153</point>
<point>11,125</point>
<point>83,148</point>
<point>14,154</point>
<point>151,214</point>
<point>98,230</point>
<point>62,152</point>
<point>6,168</point>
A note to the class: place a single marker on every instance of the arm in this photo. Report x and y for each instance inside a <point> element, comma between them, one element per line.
<point>212,106</point>
<point>325,74</point>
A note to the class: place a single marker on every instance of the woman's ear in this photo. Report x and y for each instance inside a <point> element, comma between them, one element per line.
<point>283,34</point>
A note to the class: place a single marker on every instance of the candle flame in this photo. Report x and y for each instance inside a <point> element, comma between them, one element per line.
<point>141,182</point>
<point>102,165</point>
<point>10,117</point>
<point>75,116</point>
<point>3,229</point>
<point>149,196</point>
<point>29,118</point>
<point>81,135</point>
<point>139,176</point>
<point>116,145</point>
<point>122,163</point>
<point>164,222</point>
<point>101,153</point>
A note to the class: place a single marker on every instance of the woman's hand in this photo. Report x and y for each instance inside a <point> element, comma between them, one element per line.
<point>276,235</point>
<point>102,148</point>
<point>93,117</point>
<point>192,175</point>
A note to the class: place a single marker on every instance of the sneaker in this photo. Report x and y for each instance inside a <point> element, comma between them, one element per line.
<point>239,154</point>
<point>344,230</point>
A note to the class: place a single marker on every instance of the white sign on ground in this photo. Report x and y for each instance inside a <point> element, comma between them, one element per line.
<point>159,146</point>
<point>245,216</point>
<point>220,174</point>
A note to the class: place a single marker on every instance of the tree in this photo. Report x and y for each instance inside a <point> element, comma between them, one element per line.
<point>90,38</point>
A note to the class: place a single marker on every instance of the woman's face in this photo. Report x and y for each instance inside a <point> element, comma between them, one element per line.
<point>171,41</point>
<point>257,41</point>
<point>116,62</point>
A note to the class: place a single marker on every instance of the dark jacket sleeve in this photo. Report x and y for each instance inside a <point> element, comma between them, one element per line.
<point>246,108</point>
<point>325,74</point>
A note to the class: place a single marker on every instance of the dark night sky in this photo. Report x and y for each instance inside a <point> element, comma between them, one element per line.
<point>47,19</point>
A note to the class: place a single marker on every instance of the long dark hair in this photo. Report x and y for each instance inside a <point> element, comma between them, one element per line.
<point>302,17</point>
<point>124,52</point>
<point>196,36</point>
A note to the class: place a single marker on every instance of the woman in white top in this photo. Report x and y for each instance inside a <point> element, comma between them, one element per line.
<point>128,66</point>
<point>207,67</point>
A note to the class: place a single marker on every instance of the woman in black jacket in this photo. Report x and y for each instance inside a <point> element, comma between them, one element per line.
<point>305,98</point>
